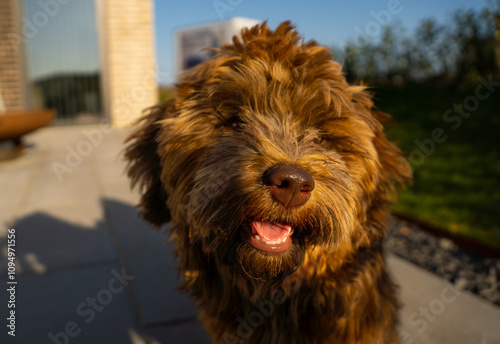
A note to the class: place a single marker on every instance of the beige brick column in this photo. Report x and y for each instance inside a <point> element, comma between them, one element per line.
<point>12,56</point>
<point>128,58</point>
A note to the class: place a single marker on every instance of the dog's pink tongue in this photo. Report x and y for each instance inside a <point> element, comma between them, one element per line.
<point>271,231</point>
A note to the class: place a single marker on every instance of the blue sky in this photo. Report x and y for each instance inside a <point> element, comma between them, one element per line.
<point>68,43</point>
<point>330,22</point>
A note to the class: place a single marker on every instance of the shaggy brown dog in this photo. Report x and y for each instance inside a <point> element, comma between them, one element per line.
<point>275,175</point>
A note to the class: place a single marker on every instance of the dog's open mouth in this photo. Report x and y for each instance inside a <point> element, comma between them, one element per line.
<point>270,237</point>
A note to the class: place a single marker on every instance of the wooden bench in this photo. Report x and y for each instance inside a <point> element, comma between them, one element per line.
<point>14,124</point>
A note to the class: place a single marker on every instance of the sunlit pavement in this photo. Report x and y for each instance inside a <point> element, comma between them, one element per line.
<point>89,270</point>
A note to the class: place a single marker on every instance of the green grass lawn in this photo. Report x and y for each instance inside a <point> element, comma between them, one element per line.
<point>166,92</point>
<point>457,183</point>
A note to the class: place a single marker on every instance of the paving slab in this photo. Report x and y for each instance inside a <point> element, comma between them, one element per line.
<point>151,259</point>
<point>56,237</point>
<point>16,178</point>
<point>435,312</point>
<point>52,187</point>
<point>160,301</point>
<point>51,307</point>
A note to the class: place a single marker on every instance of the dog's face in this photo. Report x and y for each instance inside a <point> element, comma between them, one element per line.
<point>264,152</point>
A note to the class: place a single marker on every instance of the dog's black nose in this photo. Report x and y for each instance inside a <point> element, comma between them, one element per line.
<point>290,185</point>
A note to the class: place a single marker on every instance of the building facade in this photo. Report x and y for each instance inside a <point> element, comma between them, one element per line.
<point>90,60</point>
<point>12,57</point>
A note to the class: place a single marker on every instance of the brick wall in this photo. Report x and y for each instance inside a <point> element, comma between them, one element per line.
<point>128,55</point>
<point>12,62</point>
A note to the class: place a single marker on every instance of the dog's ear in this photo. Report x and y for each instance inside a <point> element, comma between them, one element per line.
<point>144,168</point>
<point>396,169</point>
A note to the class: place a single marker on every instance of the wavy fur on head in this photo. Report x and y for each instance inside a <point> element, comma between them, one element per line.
<point>271,99</point>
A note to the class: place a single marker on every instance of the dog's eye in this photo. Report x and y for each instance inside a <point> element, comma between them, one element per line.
<point>235,124</point>
<point>318,140</point>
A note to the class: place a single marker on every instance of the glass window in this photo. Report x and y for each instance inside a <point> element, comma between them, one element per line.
<point>63,58</point>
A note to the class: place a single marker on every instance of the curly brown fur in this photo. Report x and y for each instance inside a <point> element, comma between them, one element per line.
<point>270,99</point>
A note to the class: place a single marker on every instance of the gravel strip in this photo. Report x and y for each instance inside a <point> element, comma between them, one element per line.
<point>466,270</point>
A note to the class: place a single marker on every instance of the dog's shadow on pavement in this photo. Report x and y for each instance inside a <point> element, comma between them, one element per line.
<point>65,257</point>
<point>46,242</point>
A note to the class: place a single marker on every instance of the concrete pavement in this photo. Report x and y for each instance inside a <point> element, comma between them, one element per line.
<point>89,270</point>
